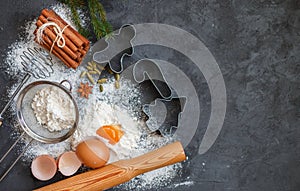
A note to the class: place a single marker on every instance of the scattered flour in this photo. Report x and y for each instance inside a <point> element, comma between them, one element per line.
<point>100,113</point>
<point>53,109</point>
<point>186,183</point>
<point>120,106</point>
<point>153,180</point>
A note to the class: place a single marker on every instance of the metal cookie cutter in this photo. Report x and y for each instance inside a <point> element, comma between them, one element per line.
<point>116,48</point>
<point>161,114</point>
<point>162,110</point>
<point>146,69</point>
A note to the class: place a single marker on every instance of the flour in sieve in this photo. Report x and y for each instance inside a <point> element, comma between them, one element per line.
<point>53,109</point>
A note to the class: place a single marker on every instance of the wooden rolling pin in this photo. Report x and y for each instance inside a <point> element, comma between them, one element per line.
<point>121,171</point>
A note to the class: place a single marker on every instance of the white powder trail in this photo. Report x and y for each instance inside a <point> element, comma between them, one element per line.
<point>111,106</point>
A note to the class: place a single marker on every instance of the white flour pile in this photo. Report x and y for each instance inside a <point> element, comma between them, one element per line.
<point>113,106</point>
<point>53,109</point>
<point>100,113</point>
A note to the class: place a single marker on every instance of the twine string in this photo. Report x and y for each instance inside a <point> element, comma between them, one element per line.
<point>59,39</point>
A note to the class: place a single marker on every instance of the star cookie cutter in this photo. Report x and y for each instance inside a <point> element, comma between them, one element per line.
<point>116,48</point>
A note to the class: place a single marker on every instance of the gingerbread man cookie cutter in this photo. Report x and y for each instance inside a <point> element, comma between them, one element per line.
<point>116,48</point>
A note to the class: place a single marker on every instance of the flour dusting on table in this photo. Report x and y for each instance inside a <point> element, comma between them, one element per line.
<point>120,106</point>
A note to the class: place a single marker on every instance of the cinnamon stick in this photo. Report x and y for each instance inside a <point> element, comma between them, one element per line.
<point>52,16</point>
<point>46,46</point>
<point>85,41</point>
<point>60,53</point>
<point>69,43</point>
<point>70,61</point>
<point>76,46</point>
<point>52,37</point>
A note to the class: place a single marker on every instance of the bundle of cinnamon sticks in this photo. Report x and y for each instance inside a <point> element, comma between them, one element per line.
<point>75,47</point>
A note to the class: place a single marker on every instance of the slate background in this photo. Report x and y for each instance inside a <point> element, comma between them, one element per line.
<point>256,44</point>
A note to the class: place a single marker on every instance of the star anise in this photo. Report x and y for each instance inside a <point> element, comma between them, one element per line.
<point>85,90</point>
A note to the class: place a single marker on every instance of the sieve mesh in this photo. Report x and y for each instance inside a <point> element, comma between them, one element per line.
<point>28,119</point>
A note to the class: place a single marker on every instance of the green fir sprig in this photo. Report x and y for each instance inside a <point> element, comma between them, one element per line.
<point>100,25</point>
<point>98,19</point>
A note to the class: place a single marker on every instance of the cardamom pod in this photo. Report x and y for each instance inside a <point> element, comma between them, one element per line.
<point>98,71</point>
<point>101,88</point>
<point>82,74</point>
<point>94,63</point>
<point>90,78</point>
<point>90,68</point>
<point>117,84</point>
<point>101,81</point>
<point>117,77</point>
<point>93,72</point>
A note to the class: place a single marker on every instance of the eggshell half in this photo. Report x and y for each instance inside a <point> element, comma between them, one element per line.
<point>68,163</point>
<point>43,167</point>
<point>92,153</point>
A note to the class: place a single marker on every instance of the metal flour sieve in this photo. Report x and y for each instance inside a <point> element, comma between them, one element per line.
<point>29,123</point>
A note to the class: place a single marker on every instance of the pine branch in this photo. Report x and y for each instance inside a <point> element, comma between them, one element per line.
<point>108,27</point>
<point>97,13</point>
<point>101,11</point>
<point>76,3</point>
<point>98,18</point>
<point>76,18</point>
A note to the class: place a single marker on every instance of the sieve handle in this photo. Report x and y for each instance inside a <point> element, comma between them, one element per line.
<point>17,159</point>
<point>24,80</point>
<point>68,82</point>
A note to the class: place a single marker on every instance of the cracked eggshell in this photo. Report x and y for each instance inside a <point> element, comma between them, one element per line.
<point>68,163</point>
<point>43,167</point>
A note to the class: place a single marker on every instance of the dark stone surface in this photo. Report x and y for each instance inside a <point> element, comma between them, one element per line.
<point>257,46</point>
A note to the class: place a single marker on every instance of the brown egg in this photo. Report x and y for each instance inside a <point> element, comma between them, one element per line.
<point>43,167</point>
<point>68,163</point>
<point>92,153</point>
